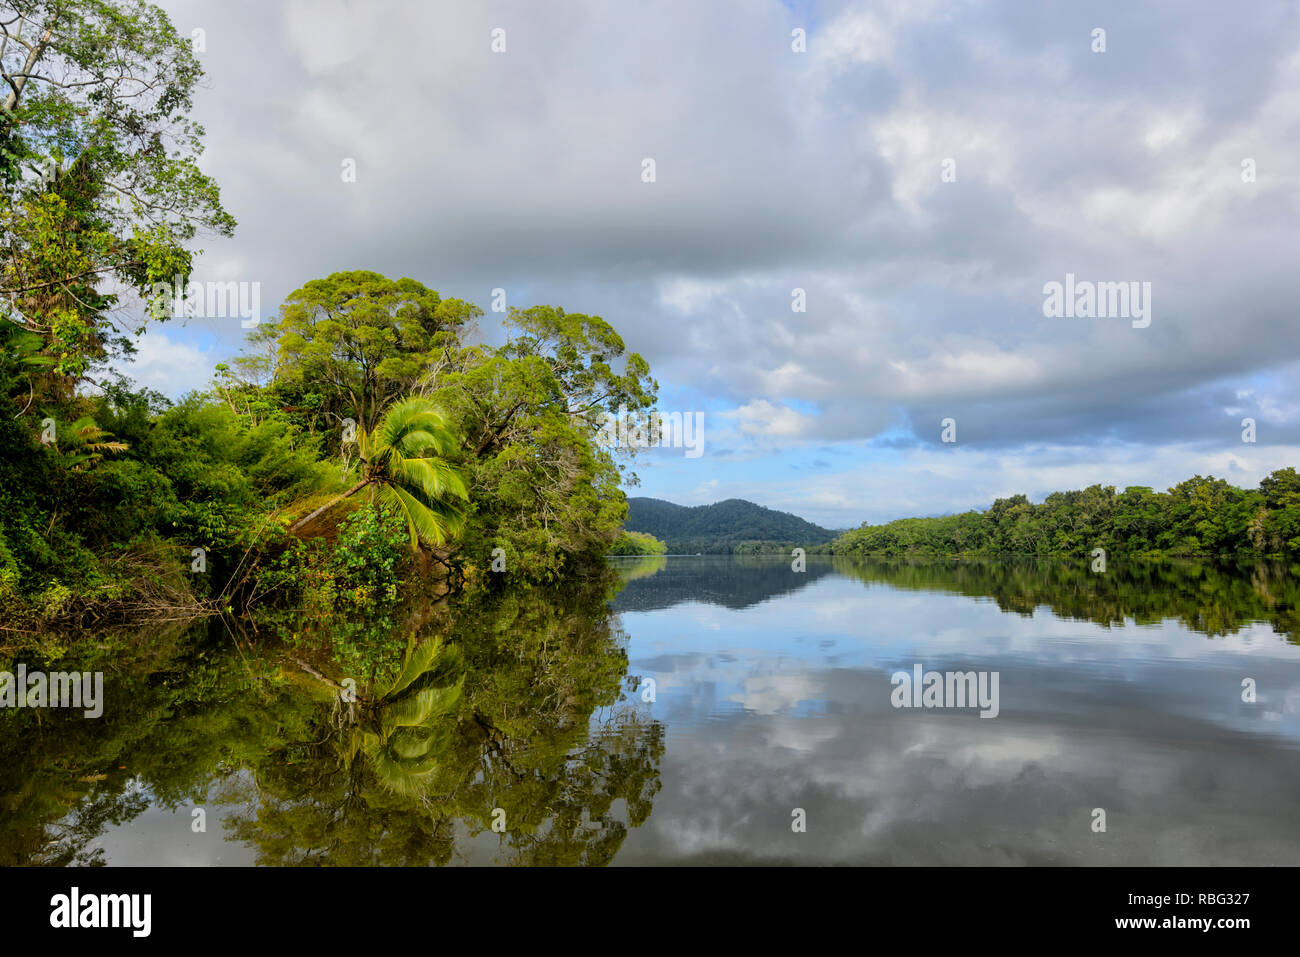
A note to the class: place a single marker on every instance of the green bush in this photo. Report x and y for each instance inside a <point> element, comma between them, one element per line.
<point>638,543</point>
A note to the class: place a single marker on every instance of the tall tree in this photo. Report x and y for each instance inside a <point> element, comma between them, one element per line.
<point>98,163</point>
<point>545,486</point>
<point>355,341</point>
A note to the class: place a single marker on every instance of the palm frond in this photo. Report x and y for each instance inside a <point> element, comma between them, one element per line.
<point>435,478</point>
<point>424,523</point>
<point>422,707</point>
<point>426,661</point>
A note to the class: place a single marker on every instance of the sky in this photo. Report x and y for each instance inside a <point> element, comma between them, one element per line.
<point>919,172</point>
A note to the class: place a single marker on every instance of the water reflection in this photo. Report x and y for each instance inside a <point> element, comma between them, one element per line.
<point>1215,599</point>
<point>786,704</point>
<point>661,582</point>
<point>354,748</point>
<point>1212,598</point>
<point>403,738</point>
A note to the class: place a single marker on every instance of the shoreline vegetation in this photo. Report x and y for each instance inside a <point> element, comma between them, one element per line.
<point>637,543</point>
<point>1203,517</point>
<point>366,446</point>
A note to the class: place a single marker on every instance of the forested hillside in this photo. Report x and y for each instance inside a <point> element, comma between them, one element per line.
<point>721,527</point>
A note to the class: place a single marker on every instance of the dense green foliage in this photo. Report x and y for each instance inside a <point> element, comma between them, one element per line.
<point>542,487</point>
<point>723,527</point>
<point>109,497</point>
<point>637,543</point>
<point>403,463</point>
<point>122,529</point>
<point>98,171</point>
<point>116,502</point>
<point>349,345</point>
<point>528,413</point>
<point>1198,517</point>
<point>360,569</point>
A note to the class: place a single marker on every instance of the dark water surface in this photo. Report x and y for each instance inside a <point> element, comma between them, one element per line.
<point>772,703</point>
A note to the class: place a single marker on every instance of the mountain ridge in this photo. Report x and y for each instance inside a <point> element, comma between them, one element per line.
<point>718,528</point>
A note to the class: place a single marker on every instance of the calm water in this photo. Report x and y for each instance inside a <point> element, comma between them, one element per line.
<point>771,692</point>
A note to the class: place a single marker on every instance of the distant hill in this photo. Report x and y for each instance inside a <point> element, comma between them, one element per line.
<point>719,528</point>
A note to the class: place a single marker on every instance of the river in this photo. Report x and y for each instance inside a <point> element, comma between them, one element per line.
<point>692,710</point>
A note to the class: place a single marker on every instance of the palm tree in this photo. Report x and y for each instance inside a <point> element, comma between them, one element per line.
<point>83,443</point>
<point>407,731</point>
<point>403,463</point>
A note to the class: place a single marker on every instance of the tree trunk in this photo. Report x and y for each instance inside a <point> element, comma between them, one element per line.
<point>33,57</point>
<point>328,505</point>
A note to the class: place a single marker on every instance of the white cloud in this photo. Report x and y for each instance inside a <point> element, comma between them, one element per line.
<point>168,365</point>
<point>765,419</point>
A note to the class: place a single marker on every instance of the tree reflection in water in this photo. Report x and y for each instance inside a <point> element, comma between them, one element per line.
<point>509,703</point>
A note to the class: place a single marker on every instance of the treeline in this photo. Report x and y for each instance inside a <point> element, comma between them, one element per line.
<point>362,442</point>
<point>1197,518</point>
<point>773,548</point>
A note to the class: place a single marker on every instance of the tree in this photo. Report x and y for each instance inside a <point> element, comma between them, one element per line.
<point>637,543</point>
<point>403,462</point>
<point>1137,518</point>
<point>360,341</point>
<point>98,164</point>
<point>567,361</point>
<point>1281,489</point>
<point>531,412</point>
<point>1280,525</point>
